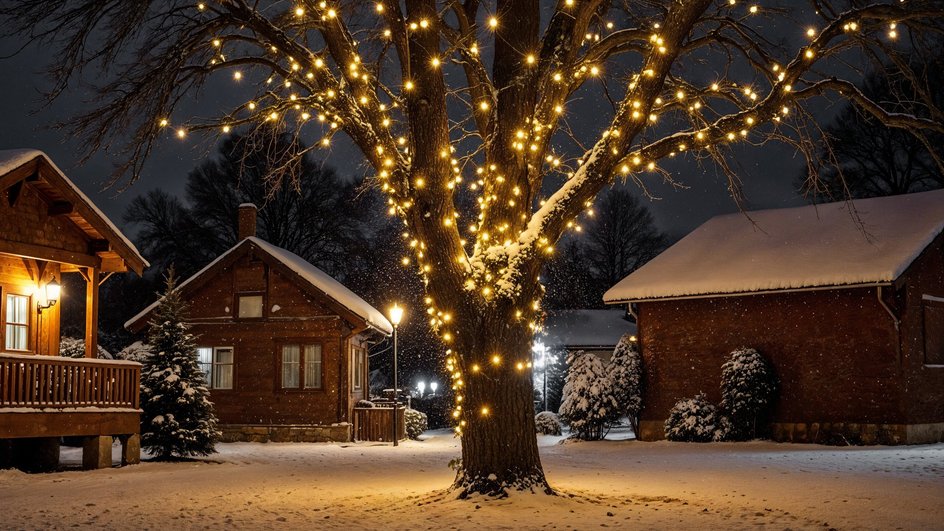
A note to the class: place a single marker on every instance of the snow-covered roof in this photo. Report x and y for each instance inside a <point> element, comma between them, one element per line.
<point>307,272</point>
<point>865,242</point>
<point>11,159</point>
<point>586,328</point>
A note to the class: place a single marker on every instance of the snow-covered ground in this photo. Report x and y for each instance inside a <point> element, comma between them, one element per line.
<point>615,483</point>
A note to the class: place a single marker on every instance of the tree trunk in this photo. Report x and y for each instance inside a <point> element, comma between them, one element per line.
<point>499,442</point>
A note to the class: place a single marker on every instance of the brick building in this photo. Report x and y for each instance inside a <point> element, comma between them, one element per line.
<point>283,344</point>
<point>845,300</point>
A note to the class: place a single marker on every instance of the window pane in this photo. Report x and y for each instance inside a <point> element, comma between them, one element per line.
<point>17,306</point>
<point>290,362</point>
<point>223,376</point>
<point>313,366</point>
<point>205,359</point>
<point>357,366</point>
<point>223,368</point>
<point>16,337</point>
<point>250,306</point>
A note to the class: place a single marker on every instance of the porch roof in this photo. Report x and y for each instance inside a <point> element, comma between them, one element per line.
<point>34,169</point>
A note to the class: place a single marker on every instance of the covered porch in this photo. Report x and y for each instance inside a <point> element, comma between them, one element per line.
<point>50,229</point>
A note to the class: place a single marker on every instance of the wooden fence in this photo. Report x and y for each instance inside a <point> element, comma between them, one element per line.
<point>55,382</point>
<point>376,423</point>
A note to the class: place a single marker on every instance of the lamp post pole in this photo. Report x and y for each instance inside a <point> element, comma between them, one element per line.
<point>395,388</point>
<point>544,357</point>
<point>396,313</point>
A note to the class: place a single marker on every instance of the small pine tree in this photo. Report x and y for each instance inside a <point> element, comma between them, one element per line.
<point>178,418</point>
<point>748,390</point>
<point>588,404</point>
<point>625,373</point>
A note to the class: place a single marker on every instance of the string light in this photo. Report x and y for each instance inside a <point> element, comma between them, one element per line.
<point>345,93</point>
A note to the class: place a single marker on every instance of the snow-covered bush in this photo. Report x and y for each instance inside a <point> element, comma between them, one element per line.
<point>547,423</point>
<point>588,404</point>
<point>748,390</point>
<point>694,420</point>
<point>71,347</point>
<point>626,379</point>
<point>364,403</point>
<point>415,423</point>
<point>178,418</point>
<point>136,351</point>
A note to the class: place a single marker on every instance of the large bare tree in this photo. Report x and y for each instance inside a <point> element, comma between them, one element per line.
<point>454,102</point>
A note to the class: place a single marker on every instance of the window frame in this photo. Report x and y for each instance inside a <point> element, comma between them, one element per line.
<point>358,367</point>
<point>301,343</point>
<point>931,301</point>
<point>27,325</point>
<point>240,295</point>
<point>214,363</point>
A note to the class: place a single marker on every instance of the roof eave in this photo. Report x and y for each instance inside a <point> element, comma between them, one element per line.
<point>747,293</point>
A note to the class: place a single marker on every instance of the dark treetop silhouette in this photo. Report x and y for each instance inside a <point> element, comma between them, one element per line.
<point>466,100</point>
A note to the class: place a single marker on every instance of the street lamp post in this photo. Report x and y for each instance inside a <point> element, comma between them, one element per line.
<point>396,314</point>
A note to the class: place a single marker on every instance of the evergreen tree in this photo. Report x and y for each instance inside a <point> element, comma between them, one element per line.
<point>748,390</point>
<point>625,374</point>
<point>178,418</point>
<point>588,404</point>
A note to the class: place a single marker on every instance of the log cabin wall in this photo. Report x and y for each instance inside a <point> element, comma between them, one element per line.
<point>290,316</point>
<point>26,277</point>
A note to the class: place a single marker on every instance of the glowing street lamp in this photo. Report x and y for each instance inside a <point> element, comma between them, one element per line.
<point>421,385</point>
<point>433,386</point>
<point>396,315</point>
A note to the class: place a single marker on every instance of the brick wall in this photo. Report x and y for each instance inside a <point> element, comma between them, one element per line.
<point>835,352</point>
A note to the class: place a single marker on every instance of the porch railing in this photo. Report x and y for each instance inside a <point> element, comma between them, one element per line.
<point>28,381</point>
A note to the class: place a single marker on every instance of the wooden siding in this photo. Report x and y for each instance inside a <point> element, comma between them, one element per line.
<point>291,315</point>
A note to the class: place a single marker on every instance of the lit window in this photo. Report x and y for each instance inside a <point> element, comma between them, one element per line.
<point>357,367</point>
<point>217,365</point>
<point>250,306</point>
<point>301,366</point>
<point>17,322</point>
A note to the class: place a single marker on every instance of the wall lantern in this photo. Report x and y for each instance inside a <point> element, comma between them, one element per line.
<point>53,291</point>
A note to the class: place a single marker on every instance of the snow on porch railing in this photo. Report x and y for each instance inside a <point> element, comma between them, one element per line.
<point>55,382</point>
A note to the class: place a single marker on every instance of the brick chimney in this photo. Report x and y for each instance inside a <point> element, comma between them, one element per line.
<point>247,220</point>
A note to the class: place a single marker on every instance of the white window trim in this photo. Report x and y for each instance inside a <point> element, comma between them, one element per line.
<point>214,363</point>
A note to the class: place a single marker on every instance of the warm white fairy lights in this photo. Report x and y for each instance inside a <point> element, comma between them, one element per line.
<point>313,88</point>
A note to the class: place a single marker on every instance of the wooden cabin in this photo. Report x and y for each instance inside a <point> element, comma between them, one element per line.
<point>283,344</point>
<point>49,228</point>
<point>845,300</point>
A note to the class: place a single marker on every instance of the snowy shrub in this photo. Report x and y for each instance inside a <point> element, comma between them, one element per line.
<point>625,373</point>
<point>178,418</point>
<point>415,423</point>
<point>70,347</point>
<point>364,403</point>
<point>588,405</point>
<point>547,423</point>
<point>748,390</point>
<point>694,420</point>
<point>136,351</point>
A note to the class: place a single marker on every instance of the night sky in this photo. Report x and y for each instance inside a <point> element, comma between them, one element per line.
<point>769,174</point>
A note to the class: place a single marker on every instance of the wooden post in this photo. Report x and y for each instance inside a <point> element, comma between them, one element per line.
<point>96,452</point>
<point>91,313</point>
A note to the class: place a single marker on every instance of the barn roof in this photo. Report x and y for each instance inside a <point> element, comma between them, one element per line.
<point>296,265</point>
<point>574,329</point>
<point>859,243</point>
<point>36,170</point>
